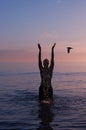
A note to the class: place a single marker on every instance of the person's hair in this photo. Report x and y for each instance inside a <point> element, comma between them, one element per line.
<point>46,61</point>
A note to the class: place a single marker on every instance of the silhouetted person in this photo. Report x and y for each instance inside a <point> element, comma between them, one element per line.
<point>68,49</point>
<point>46,71</point>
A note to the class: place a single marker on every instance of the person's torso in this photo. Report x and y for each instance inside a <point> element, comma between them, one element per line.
<point>46,76</point>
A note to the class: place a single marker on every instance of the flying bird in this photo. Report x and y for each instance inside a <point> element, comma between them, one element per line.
<point>68,49</point>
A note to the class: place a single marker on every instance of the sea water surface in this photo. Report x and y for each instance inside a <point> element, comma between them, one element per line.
<point>21,110</point>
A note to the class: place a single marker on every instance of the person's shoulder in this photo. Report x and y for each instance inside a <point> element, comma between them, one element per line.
<point>51,69</point>
<point>42,69</point>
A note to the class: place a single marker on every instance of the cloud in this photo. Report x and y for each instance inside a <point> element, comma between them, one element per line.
<point>48,37</point>
<point>47,34</point>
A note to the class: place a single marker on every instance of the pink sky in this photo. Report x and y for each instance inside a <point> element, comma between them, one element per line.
<point>23,24</point>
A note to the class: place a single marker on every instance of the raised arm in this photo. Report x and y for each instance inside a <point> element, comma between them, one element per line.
<point>52,57</point>
<point>39,57</point>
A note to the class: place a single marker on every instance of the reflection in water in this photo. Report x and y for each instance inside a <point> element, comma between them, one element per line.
<point>46,116</point>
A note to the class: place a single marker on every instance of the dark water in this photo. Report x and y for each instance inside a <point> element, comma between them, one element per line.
<point>20,109</point>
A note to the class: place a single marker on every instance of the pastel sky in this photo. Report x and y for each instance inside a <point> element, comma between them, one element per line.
<point>24,23</point>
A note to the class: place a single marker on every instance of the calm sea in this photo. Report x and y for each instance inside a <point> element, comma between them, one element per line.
<point>20,109</point>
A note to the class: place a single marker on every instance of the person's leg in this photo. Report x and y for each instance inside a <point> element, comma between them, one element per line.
<point>51,93</point>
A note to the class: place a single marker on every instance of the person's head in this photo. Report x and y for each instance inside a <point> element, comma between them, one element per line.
<point>45,62</point>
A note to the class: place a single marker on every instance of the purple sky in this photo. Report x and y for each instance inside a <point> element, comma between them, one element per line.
<point>24,23</point>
